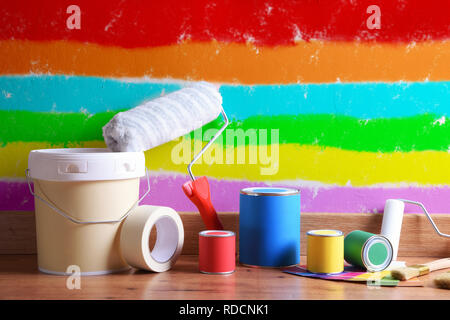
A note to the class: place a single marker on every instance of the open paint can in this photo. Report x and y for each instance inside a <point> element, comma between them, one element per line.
<point>269,227</point>
<point>325,251</point>
<point>367,250</point>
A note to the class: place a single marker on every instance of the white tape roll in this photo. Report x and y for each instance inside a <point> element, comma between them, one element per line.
<point>135,235</point>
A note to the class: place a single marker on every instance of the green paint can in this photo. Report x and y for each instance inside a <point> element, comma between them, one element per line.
<point>367,250</point>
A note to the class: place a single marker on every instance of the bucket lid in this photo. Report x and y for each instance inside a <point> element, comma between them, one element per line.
<point>85,164</point>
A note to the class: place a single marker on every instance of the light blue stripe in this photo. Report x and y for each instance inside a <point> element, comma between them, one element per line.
<point>362,100</point>
<point>75,94</point>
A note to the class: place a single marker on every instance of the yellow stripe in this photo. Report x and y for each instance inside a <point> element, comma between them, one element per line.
<point>306,62</point>
<point>14,156</point>
<point>326,165</point>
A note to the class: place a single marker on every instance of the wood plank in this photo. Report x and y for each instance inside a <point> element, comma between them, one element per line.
<point>17,230</point>
<point>20,279</point>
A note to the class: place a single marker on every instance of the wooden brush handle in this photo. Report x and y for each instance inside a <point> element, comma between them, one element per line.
<point>438,264</point>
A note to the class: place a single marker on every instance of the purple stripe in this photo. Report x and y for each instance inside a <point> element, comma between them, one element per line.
<point>15,196</point>
<point>166,191</point>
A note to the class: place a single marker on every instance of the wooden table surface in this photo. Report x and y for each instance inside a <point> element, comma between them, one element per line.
<point>19,279</point>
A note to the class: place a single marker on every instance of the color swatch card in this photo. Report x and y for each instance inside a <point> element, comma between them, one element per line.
<point>350,273</point>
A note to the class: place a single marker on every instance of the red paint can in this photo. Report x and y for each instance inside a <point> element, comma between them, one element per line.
<point>217,251</point>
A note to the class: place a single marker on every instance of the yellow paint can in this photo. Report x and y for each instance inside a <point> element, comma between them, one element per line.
<point>325,251</point>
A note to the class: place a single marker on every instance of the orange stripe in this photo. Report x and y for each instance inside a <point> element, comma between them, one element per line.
<point>306,62</point>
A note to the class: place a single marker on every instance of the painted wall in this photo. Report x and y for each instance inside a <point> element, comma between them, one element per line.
<point>361,111</point>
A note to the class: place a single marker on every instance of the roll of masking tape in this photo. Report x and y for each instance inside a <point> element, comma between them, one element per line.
<point>135,235</point>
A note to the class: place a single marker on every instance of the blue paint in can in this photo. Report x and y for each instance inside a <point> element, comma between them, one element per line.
<point>269,227</point>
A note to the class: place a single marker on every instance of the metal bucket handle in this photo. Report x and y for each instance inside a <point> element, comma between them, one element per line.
<point>65,215</point>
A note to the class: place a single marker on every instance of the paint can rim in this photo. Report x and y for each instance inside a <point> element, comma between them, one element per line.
<point>252,191</point>
<point>208,234</point>
<point>218,273</point>
<point>325,273</point>
<point>337,234</point>
<point>365,254</point>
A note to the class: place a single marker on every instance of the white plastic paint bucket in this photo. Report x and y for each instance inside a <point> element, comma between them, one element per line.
<point>81,197</point>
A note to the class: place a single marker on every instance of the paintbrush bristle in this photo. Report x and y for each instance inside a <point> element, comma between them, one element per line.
<point>443,281</point>
<point>405,273</point>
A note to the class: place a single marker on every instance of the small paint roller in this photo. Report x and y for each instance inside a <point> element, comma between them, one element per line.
<point>163,119</point>
<point>391,226</point>
<point>392,221</point>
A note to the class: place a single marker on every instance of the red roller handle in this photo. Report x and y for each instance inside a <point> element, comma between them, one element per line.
<point>199,193</point>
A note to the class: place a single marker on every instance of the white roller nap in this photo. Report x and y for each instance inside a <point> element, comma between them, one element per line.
<point>163,119</point>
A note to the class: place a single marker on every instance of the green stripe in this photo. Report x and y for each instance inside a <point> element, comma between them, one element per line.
<point>51,127</point>
<point>421,132</point>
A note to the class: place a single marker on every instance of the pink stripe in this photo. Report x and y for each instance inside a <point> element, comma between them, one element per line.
<point>166,191</point>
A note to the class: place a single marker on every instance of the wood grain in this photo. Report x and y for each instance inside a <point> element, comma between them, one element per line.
<point>20,279</point>
<point>17,231</point>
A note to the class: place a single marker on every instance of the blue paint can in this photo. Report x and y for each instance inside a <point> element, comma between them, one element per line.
<point>269,227</point>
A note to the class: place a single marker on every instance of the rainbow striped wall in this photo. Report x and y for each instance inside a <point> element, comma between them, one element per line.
<point>362,114</point>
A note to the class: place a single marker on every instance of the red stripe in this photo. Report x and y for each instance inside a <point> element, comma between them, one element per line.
<point>135,23</point>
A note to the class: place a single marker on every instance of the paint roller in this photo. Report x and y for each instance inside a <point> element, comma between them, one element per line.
<point>163,119</point>
<point>391,226</point>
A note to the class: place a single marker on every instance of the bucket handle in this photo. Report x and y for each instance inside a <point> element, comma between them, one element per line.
<point>67,216</point>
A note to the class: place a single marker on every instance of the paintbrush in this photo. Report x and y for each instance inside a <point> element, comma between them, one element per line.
<point>419,269</point>
<point>443,280</point>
